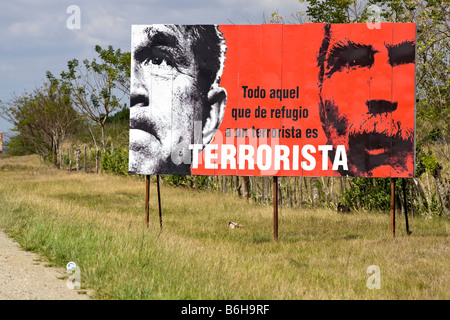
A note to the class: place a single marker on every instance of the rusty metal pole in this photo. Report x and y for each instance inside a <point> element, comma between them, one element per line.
<point>393,207</point>
<point>159,202</point>
<point>405,205</point>
<point>275,208</point>
<point>147,197</point>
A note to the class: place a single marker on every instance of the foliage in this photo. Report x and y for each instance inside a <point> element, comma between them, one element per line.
<point>432,81</point>
<point>17,145</point>
<point>43,119</point>
<point>198,182</point>
<point>371,194</point>
<point>432,64</point>
<point>426,162</point>
<point>91,92</point>
<point>99,223</point>
<point>336,11</point>
<point>120,116</point>
<point>432,47</point>
<point>98,87</point>
<point>116,162</point>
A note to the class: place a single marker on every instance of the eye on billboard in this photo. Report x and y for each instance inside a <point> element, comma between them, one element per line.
<point>274,100</point>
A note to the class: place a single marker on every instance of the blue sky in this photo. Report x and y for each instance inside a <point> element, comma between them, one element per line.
<point>35,37</point>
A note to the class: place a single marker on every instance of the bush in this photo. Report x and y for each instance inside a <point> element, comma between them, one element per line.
<point>200,182</point>
<point>116,162</point>
<point>368,193</point>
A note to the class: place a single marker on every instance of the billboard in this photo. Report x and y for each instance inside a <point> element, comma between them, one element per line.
<point>276,100</point>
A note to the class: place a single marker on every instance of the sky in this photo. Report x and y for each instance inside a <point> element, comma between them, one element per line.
<point>42,35</point>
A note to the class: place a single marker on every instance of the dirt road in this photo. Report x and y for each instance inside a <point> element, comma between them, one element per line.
<point>23,276</point>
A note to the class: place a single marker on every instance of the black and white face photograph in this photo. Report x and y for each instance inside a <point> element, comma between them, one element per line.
<point>175,97</point>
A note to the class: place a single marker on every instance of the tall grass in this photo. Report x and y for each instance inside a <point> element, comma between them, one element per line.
<point>98,222</point>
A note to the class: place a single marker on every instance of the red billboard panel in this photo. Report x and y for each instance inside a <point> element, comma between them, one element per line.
<point>278,100</point>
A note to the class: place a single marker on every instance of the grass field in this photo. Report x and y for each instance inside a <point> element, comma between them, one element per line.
<point>98,221</point>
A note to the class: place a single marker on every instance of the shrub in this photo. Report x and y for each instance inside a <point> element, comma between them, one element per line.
<point>116,162</point>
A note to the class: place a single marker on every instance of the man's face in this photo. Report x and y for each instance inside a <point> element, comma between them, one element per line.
<point>165,99</point>
<point>363,102</point>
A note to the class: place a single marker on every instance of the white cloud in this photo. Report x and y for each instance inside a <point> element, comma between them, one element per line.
<point>35,37</point>
<point>19,29</point>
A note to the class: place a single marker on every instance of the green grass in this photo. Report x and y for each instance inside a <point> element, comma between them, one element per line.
<point>98,221</point>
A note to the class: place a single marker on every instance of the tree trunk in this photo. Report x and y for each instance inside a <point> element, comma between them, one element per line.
<point>103,138</point>
<point>77,158</point>
<point>413,201</point>
<point>245,187</point>
<point>303,181</point>
<point>430,198</point>
<point>55,149</point>
<point>314,191</point>
<point>237,186</point>
<point>70,160</point>
<point>263,191</point>
<point>420,189</point>
<point>440,190</point>
<point>96,161</point>
<point>224,184</point>
<point>55,157</point>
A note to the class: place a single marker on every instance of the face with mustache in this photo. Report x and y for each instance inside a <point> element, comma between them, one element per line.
<point>166,99</point>
<point>363,78</point>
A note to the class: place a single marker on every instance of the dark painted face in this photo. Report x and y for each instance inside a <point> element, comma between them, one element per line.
<point>362,100</point>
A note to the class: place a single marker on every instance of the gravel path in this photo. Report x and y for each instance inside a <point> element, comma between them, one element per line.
<point>24,277</point>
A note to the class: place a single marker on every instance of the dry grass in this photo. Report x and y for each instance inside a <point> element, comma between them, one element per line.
<point>98,221</point>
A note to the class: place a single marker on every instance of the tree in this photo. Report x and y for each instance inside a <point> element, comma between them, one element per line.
<point>337,11</point>
<point>32,136</point>
<point>432,86</point>
<point>60,111</point>
<point>42,119</point>
<point>432,47</point>
<point>97,88</point>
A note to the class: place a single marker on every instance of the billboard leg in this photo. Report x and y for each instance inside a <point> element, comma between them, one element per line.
<point>405,206</point>
<point>159,202</point>
<point>275,209</point>
<point>393,207</point>
<point>147,197</point>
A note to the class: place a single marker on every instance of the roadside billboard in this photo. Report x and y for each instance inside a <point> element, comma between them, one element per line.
<point>275,100</point>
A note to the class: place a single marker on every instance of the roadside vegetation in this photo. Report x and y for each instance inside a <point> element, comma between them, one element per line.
<point>78,119</point>
<point>98,221</point>
<point>66,194</point>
